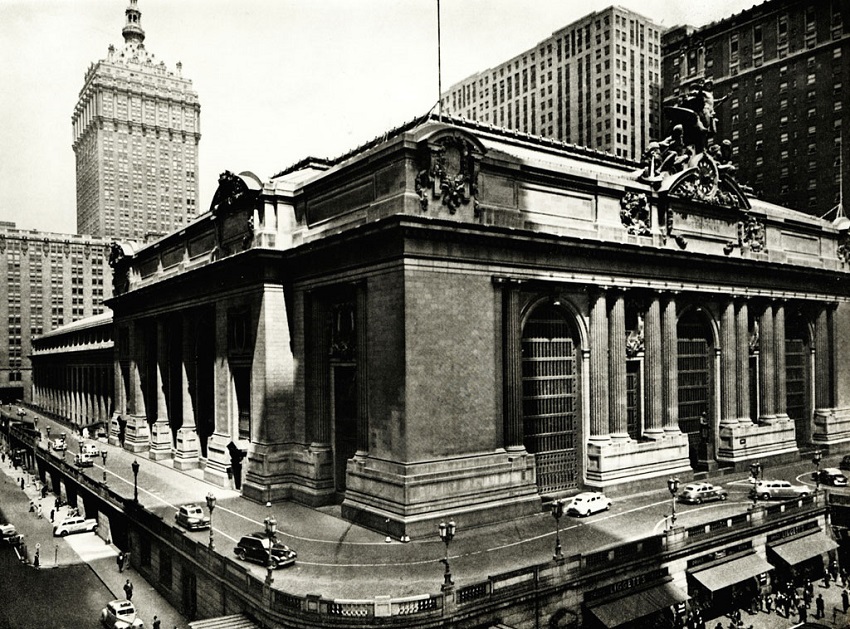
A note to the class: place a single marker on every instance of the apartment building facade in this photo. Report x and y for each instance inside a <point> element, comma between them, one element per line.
<point>594,83</point>
<point>50,280</point>
<point>781,71</point>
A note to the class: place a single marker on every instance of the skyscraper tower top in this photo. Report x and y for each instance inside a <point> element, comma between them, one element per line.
<point>133,31</point>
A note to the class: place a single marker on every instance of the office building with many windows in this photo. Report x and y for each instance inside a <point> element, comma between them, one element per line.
<point>780,74</point>
<point>595,83</point>
<point>136,129</point>
<point>49,280</point>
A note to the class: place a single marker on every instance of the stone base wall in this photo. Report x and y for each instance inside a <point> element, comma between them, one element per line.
<point>742,443</point>
<point>831,428</point>
<point>620,464</point>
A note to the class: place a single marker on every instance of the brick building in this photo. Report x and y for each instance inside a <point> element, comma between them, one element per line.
<point>783,69</point>
<point>49,280</point>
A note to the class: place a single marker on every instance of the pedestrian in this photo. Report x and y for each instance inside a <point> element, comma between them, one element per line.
<point>32,506</point>
<point>768,603</point>
<point>128,590</point>
<point>804,614</point>
<point>807,597</point>
<point>22,483</point>
<point>52,513</point>
<point>156,623</point>
<point>819,607</point>
<point>120,560</point>
<point>127,560</point>
<point>845,600</point>
<point>826,580</point>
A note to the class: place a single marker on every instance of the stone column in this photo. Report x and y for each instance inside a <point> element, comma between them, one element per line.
<point>599,367</point>
<point>743,345</point>
<point>512,359</point>
<point>823,361</point>
<point>617,412</point>
<point>780,374</point>
<point>360,321</point>
<point>654,370</point>
<point>161,431</point>
<point>767,367</point>
<point>729,366</point>
<point>670,357</point>
<point>187,452</point>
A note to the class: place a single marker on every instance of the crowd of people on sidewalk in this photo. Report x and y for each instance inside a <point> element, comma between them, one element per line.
<point>796,602</point>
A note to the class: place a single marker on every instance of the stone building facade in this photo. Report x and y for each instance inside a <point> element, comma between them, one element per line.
<point>455,319</point>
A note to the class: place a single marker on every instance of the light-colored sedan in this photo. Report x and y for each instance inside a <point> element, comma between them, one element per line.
<point>781,489</point>
<point>697,493</point>
<point>74,525</point>
<point>588,502</point>
<point>59,445</point>
<point>120,614</point>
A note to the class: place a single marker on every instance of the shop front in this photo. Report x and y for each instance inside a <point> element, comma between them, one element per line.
<point>647,601</point>
<point>722,585</point>
<point>800,554</point>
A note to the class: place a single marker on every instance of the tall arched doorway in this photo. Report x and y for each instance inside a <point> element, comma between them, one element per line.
<point>694,345</point>
<point>550,398</point>
<point>798,376</point>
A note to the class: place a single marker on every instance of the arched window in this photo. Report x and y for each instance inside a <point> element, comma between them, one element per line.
<point>550,398</point>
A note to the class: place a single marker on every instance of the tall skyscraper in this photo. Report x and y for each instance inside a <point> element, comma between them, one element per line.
<point>596,83</point>
<point>782,72</point>
<point>136,132</point>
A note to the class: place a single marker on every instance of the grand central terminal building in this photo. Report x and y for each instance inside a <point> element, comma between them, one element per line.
<point>456,318</point>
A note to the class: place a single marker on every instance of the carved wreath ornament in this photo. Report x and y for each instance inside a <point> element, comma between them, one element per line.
<point>449,172</point>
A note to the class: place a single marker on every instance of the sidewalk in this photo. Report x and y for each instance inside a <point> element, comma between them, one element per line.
<point>79,548</point>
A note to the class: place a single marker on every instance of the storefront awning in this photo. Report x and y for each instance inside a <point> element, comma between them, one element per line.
<point>799,550</point>
<point>638,605</point>
<point>731,572</point>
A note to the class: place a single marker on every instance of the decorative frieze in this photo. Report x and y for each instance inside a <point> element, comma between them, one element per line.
<point>449,172</point>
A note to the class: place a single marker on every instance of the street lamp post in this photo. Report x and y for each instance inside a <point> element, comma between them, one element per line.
<point>103,456</point>
<point>211,506</point>
<point>755,471</point>
<point>47,428</point>
<point>271,529</point>
<point>673,487</point>
<point>447,533</point>
<point>557,512</point>
<point>135,467</point>
<point>816,459</point>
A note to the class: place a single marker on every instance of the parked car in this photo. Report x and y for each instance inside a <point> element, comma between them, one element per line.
<point>255,547</point>
<point>59,444</point>
<point>74,525</point>
<point>7,531</point>
<point>697,493</point>
<point>120,614</point>
<point>767,489</point>
<point>192,517</point>
<point>90,449</point>
<point>83,460</point>
<point>845,462</point>
<point>588,502</point>
<point>830,476</point>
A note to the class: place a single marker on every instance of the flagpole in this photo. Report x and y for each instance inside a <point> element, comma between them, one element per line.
<point>439,69</point>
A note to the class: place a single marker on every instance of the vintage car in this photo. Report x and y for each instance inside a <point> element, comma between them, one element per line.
<point>74,525</point>
<point>782,489</point>
<point>258,548</point>
<point>120,614</point>
<point>192,517</point>
<point>588,502</point>
<point>830,476</point>
<point>697,493</point>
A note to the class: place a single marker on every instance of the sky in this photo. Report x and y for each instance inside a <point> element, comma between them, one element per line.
<point>277,80</point>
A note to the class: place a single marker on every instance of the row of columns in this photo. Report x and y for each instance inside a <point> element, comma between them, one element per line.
<point>607,364</point>
<point>82,393</point>
<point>608,412</point>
